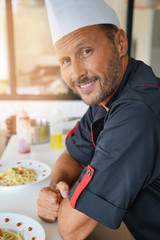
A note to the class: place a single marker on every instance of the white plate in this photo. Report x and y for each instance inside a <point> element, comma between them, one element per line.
<point>26,222</point>
<point>42,170</point>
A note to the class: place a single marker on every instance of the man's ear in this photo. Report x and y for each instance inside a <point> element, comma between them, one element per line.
<point>121,43</point>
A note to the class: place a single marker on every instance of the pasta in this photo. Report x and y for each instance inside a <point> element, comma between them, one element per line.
<point>6,234</point>
<point>17,176</point>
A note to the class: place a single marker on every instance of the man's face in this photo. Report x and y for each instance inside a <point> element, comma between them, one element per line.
<point>90,64</point>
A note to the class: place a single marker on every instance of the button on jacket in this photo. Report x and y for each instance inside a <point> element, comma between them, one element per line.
<point>121,151</point>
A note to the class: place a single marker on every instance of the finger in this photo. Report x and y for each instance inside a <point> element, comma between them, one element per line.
<point>47,218</point>
<point>48,213</point>
<point>48,194</point>
<point>48,206</point>
<point>63,187</point>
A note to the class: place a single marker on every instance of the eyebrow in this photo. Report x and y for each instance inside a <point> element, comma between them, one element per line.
<point>81,44</point>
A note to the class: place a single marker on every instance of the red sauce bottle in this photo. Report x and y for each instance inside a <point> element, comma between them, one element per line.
<point>23,132</point>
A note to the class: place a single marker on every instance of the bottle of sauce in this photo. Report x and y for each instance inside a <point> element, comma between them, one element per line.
<point>56,129</point>
<point>23,132</point>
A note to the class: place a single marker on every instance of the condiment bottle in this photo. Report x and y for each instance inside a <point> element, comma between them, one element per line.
<point>23,132</point>
<point>56,129</point>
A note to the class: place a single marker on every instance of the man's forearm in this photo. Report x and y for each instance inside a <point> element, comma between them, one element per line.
<point>73,224</point>
<point>66,169</point>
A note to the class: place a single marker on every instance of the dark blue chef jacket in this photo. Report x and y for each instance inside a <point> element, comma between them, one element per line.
<point>121,151</point>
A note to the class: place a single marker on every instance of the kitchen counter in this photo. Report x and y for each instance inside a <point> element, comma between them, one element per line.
<point>23,200</point>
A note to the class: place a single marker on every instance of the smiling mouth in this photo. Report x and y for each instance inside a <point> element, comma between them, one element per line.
<point>84,86</point>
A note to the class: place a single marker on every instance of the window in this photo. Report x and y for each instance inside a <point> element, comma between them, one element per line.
<point>28,65</point>
<point>4,73</point>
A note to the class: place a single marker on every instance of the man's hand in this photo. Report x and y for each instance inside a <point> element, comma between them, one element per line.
<point>49,200</point>
<point>65,173</point>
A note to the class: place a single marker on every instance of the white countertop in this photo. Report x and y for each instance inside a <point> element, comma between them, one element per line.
<point>23,200</point>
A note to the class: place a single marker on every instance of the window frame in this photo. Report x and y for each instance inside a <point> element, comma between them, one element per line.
<point>12,67</point>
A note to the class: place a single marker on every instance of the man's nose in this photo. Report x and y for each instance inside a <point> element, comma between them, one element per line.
<point>78,70</point>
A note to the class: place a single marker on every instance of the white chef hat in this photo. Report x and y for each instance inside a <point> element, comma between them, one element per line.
<point>65,16</point>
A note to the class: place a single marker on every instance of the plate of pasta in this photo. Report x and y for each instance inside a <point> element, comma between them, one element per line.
<point>18,173</point>
<point>20,227</point>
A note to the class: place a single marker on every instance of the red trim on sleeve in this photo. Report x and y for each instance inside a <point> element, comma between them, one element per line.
<point>81,186</point>
<point>72,131</point>
<point>92,135</point>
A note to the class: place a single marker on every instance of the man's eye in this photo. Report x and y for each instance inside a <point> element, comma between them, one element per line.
<point>65,61</point>
<point>85,52</point>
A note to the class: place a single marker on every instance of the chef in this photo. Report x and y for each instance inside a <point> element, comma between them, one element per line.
<point>110,170</point>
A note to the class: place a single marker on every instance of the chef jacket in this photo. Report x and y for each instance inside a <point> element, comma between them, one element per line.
<point>121,151</point>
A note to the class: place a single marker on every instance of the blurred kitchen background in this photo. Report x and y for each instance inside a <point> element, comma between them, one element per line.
<point>30,76</point>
